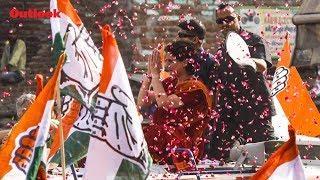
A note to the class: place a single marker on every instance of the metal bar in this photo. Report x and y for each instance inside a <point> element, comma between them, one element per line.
<point>218,171</point>
<point>191,156</point>
<point>74,173</point>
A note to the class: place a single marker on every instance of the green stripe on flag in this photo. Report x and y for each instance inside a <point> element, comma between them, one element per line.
<point>76,147</point>
<point>73,92</point>
<point>58,49</point>
<point>33,170</point>
<point>131,171</point>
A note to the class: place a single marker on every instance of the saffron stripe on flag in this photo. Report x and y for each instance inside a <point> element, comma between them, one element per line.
<point>292,94</point>
<point>287,153</point>
<point>18,153</point>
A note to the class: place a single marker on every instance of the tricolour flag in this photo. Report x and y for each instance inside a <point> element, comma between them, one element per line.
<point>80,75</point>
<point>21,154</point>
<point>79,79</point>
<point>284,164</point>
<point>72,110</point>
<point>42,170</point>
<point>68,119</point>
<point>290,91</point>
<point>76,141</point>
<point>76,132</point>
<point>117,146</point>
<point>76,120</point>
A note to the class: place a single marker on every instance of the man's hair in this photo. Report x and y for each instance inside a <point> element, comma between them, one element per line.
<point>22,101</point>
<point>223,5</point>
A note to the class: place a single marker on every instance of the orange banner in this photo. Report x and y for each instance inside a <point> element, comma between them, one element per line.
<point>294,97</point>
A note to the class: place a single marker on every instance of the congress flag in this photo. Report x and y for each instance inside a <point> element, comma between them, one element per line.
<point>117,146</point>
<point>290,91</point>
<point>71,109</point>
<point>81,72</point>
<point>21,154</point>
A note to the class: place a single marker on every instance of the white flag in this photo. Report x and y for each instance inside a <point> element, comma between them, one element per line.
<point>117,146</point>
<point>81,72</point>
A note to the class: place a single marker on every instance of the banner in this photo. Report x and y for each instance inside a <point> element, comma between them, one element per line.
<point>81,72</point>
<point>117,146</point>
<point>270,24</point>
<point>24,149</point>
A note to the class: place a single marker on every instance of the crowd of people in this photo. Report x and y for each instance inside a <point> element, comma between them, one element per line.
<point>210,101</point>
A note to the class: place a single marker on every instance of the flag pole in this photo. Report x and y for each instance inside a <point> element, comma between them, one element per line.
<point>62,151</point>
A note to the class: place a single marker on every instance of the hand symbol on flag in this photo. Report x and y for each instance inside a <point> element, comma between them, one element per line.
<point>113,114</point>
<point>280,80</point>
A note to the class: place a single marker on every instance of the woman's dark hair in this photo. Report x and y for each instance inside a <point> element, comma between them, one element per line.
<point>191,28</point>
<point>184,50</point>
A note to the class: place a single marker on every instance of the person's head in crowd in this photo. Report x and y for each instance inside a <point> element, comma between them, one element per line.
<point>226,19</point>
<point>180,58</point>
<point>13,35</point>
<point>23,103</point>
<point>192,30</point>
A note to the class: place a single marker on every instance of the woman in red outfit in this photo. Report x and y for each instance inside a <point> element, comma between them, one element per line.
<point>181,104</point>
